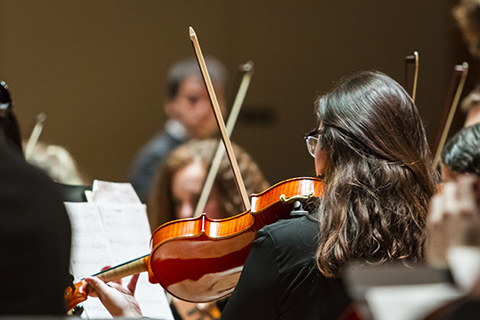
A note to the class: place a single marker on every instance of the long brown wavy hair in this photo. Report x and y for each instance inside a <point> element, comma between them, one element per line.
<point>380,179</point>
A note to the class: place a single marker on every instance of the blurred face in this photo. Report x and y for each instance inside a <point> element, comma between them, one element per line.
<point>448,174</point>
<point>473,116</point>
<point>470,33</point>
<point>187,185</point>
<point>193,109</point>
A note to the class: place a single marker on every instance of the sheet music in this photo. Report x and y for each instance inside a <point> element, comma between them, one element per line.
<point>104,192</point>
<point>90,245</point>
<point>412,302</point>
<point>90,250</point>
<point>110,234</point>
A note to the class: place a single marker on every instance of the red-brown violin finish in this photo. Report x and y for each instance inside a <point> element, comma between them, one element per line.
<point>200,259</point>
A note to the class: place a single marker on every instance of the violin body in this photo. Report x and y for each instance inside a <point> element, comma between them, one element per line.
<point>200,259</point>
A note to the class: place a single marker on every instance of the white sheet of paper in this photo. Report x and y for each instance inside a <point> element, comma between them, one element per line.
<point>412,302</point>
<point>104,192</point>
<point>110,234</point>
<point>90,250</point>
<point>90,245</point>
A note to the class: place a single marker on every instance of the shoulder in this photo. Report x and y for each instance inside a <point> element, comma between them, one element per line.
<point>294,242</point>
<point>154,151</point>
<point>161,143</point>
<point>287,232</point>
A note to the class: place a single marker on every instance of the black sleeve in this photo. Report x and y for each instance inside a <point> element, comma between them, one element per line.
<point>255,296</point>
<point>35,240</point>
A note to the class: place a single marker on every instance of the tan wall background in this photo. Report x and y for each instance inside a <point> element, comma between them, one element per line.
<point>97,68</point>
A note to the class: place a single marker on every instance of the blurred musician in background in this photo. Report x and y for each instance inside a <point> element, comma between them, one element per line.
<point>177,188</point>
<point>180,180</point>
<point>454,241</point>
<point>467,16</point>
<point>57,162</point>
<point>189,114</point>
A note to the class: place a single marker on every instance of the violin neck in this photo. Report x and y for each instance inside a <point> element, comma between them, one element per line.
<point>124,270</point>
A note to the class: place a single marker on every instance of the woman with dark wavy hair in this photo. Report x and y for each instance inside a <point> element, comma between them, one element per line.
<point>371,149</point>
<point>381,177</point>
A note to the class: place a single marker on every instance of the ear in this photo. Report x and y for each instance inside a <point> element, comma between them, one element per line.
<point>169,108</point>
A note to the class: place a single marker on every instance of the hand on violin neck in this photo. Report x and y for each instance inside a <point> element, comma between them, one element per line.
<point>118,300</point>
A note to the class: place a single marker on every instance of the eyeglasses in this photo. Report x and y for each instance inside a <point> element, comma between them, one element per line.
<point>311,139</point>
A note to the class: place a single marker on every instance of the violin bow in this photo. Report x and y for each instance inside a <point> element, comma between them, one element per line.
<point>220,122</point>
<point>37,130</point>
<point>246,71</point>
<point>412,59</point>
<point>453,97</point>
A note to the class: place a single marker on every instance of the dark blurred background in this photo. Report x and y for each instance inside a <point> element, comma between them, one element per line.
<point>97,69</point>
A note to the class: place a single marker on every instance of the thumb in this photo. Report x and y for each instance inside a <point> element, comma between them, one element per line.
<point>98,287</point>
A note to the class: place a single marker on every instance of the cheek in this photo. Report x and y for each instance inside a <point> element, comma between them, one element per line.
<point>213,207</point>
<point>213,211</point>
<point>205,111</point>
<point>322,161</point>
<point>448,174</point>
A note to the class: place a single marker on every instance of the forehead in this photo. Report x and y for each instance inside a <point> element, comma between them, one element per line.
<point>188,179</point>
<point>195,85</point>
<point>192,83</point>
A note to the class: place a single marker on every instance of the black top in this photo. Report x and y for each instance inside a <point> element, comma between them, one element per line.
<point>34,240</point>
<point>280,279</point>
<point>150,158</point>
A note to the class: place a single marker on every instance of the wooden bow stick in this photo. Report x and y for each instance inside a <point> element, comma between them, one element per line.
<point>247,72</point>
<point>220,122</point>
<point>414,58</point>
<point>37,130</point>
<point>455,91</point>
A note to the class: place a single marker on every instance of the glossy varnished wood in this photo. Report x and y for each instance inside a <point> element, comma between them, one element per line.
<point>200,259</point>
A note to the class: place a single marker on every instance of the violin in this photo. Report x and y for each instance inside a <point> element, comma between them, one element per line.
<point>200,259</point>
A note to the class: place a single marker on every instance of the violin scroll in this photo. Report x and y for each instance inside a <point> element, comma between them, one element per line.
<point>75,294</point>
